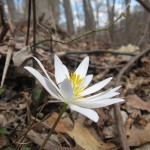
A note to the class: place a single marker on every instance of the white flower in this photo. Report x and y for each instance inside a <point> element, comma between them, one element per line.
<point>73,89</point>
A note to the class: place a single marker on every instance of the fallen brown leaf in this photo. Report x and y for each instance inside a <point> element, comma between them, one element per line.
<point>22,55</point>
<point>136,102</point>
<point>64,125</point>
<point>138,136</point>
<point>83,137</point>
<point>52,144</point>
<point>79,133</point>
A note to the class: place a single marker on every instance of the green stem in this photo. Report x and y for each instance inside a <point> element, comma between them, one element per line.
<point>54,126</point>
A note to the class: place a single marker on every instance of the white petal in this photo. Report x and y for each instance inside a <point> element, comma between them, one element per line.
<point>116,88</point>
<point>100,96</point>
<point>96,87</point>
<point>91,114</point>
<point>98,104</point>
<point>48,86</point>
<point>66,71</point>
<point>59,70</point>
<point>43,69</point>
<point>83,67</point>
<point>66,91</point>
<point>52,88</point>
<point>86,81</point>
<point>108,93</point>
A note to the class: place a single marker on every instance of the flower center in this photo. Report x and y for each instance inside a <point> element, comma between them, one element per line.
<point>76,81</point>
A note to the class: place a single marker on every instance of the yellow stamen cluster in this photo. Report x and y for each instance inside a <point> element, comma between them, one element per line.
<point>76,81</point>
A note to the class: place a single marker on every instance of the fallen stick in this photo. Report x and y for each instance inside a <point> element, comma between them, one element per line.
<point>99,51</point>
<point>118,117</point>
<point>94,52</point>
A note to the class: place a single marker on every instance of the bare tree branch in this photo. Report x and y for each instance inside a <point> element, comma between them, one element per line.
<point>143,3</point>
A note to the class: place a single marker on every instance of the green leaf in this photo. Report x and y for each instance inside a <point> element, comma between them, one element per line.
<point>4,131</point>
<point>1,91</point>
<point>8,148</point>
<point>37,94</point>
<point>25,148</point>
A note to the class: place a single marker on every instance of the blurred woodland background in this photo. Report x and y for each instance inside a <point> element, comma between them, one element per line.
<point>78,16</point>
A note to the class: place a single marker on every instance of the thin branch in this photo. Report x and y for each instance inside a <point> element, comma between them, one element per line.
<point>119,121</point>
<point>96,66</point>
<point>131,62</point>
<point>49,33</point>
<point>28,23</point>
<point>78,52</point>
<point>85,34</point>
<point>120,127</point>
<point>95,52</point>
<point>143,3</point>
<point>34,27</point>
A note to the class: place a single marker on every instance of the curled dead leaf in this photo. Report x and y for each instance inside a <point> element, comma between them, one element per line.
<point>22,55</point>
<point>136,102</point>
<point>138,136</point>
<point>79,133</point>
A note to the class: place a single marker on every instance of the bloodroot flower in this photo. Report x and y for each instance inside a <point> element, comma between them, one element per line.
<point>72,88</point>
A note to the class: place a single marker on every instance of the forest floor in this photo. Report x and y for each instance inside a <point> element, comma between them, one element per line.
<point>27,111</point>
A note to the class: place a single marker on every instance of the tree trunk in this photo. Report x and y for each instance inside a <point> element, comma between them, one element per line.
<point>111,14</point>
<point>89,16</point>
<point>127,22</point>
<point>45,12</point>
<point>25,9</point>
<point>55,10</point>
<point>69,16</point>
<point>12,10</point>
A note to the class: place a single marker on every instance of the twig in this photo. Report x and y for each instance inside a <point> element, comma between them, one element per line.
<point>120,128</point>
<point>34,27</point>
<point>85,34</point>
<point>96,66</point>
<point>118,116</point>
<point>31,126</point>
<point>49,33</point>
<point>11,46</point>
<point>94,52</point>
<point>130,63</point>
<point>28,23</point>
<point>8,58</point>
<point>34,52</point>
<point>143,3</point>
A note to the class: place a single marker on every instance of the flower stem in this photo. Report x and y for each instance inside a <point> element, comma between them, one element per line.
<point>54,126</point>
